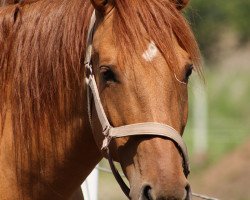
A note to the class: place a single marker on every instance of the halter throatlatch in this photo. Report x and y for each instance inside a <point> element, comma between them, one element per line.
<point>109,132</point>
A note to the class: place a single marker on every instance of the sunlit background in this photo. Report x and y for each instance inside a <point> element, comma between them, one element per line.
<point>218,130</point>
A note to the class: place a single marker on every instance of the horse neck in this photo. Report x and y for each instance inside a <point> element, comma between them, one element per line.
<point>60,175</point>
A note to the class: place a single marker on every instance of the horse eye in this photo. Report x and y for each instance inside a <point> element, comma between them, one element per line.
<point>189,71</point>
<point>107,74</point>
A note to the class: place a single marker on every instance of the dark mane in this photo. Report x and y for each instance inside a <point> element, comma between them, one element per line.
<point>158,21</point>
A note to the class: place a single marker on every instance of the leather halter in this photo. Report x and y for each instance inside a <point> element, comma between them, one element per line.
<point>109,132</point>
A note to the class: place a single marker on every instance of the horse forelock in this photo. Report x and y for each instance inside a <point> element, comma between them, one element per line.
<point>138,23</point>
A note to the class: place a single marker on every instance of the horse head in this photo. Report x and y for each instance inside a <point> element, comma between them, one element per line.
<point>143,54</point>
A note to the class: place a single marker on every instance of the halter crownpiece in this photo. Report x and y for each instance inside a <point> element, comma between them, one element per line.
<point>109,132</point>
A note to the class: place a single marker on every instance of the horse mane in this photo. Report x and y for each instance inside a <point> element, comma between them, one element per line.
<point>41,75</point>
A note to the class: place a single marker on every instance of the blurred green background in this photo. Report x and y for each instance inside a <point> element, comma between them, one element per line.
<point>215,22</point>
<point>222,167</point>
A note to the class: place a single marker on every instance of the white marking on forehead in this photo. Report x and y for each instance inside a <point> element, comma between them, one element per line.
<point>151,52</point>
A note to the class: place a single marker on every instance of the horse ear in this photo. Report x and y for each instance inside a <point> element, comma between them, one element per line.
<point>180,4</point>
<point>103,6</point>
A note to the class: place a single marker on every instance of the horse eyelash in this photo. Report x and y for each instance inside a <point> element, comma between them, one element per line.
<point>189,71</point>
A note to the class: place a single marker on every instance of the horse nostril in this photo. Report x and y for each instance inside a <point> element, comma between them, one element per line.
<point>147,193</point>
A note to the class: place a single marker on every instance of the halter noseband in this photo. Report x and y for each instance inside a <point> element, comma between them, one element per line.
<point>109,132</point>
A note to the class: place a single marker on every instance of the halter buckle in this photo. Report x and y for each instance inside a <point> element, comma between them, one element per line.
<point>107,138</point>
<point>106,142</point>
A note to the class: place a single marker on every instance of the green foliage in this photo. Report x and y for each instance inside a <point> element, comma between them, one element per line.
<point>210,19</point>
<point>240,14</point>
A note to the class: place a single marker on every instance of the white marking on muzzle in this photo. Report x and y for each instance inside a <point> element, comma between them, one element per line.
<point>151,52</point>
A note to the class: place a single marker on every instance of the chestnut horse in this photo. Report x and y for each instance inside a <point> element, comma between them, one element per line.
<point>143,54</point>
